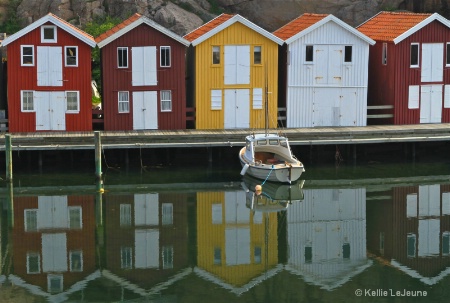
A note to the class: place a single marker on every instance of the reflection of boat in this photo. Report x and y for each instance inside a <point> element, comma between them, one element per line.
<point>273,196</point>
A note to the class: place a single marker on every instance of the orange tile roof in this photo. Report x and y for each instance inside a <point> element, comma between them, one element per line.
<point>118,27</point>
<point>297,25</point>
<point>207,27</point>
<point>386,26</point>
<point>72,26</point>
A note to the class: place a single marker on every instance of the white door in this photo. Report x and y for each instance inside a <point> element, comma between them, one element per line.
<point>237,245</point>
<point>49,66</point>
<point>237,108</point>
<point>326,109</point>
<point>432,62</point>
<point>430,103</point>
<point>328,64</point>
<point>50,110</point>
<point>146,211</point>
<point>143,66</point>
<point>237,64</point>
<point>146,246</point>
<point>145,110</point>
<point>52,212</point>
<point>347,105</point>
<point>54,252</point>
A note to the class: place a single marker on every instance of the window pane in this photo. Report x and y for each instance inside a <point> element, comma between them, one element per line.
<point>123,102</point>
<point>75,217</point>
<point>309,53</point>
<point>414,55</point>
<point>166,100</point>
<point>167,214</point>
<point>122,56</point>
<point>125,214</point>
<point>257,255</point>
<point>216,54</point>
<point>27,101</point>
<point>165,56</point>
<point>30,220</point>
<point>308,254</point>
<point>71,56</point>
<point>167,257</point>
<point>257,55</point>
<point>448,54</point>
<point>72,101</point>
<point>217,256</point>
<point>33,263</point>
<point>27,55</point>
<point>49,33</point>
<point>346,251</point>
<point>126,257</point>
<point>348,54</point>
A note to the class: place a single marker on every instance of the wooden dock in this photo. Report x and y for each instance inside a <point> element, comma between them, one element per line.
<point>235,137</point>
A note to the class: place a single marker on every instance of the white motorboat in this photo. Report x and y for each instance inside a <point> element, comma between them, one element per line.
<point>268,157</point>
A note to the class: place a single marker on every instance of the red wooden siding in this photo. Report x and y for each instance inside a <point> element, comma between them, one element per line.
<point>169,78</point>
<point>388,84</point>
<point>25,78</point>
<point>80,239</point>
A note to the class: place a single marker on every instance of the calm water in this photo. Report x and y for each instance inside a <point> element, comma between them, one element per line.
<point>366,233</point>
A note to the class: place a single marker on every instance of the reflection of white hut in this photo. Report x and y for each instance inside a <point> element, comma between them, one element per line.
<point>327,236</point>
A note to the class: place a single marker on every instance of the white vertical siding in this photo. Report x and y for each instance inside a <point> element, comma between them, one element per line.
<point>302,77</point>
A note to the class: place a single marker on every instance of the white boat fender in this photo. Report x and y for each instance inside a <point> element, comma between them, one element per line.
<point>244,169</point>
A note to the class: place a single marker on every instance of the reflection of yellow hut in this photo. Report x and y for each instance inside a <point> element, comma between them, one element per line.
<point>235,246</point>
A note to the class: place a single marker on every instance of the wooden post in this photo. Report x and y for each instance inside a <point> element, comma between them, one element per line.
<point>98,155</point>
<point>8,151</point>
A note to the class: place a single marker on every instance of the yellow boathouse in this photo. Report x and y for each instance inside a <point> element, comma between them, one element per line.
<point>234,63</point>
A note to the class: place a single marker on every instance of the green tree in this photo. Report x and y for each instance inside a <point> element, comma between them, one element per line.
<point>12,23</point>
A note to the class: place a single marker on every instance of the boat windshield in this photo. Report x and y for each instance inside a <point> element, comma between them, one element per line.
<point>273,142</point>
<point>261,142</point>
<point>283,143</point>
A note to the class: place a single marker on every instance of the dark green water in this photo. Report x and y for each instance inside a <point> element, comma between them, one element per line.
<point>371,232</point>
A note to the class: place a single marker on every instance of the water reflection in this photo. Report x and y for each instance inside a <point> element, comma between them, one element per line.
<point>224,240</point>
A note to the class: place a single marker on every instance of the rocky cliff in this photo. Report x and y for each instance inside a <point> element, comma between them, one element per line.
<point>182,16</point>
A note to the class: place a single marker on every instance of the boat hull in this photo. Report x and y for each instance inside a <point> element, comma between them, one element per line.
<point>273,173</point>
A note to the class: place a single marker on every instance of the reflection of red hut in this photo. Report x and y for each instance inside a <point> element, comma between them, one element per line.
<point>146,237</point>
<point>413,230</point>
<point>53,242</point>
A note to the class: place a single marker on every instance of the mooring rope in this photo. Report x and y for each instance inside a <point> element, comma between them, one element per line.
<point>268,176</point>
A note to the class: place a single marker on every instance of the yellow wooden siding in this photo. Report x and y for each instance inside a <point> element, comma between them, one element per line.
<point>209,76</point>
<point>210,236</point>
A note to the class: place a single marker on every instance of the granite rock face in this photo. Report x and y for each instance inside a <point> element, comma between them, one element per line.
<point>183,16</point>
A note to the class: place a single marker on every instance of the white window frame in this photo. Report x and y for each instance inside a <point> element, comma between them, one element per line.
<point>22,55</point>
<point>257,98</point>
<point>418,55</point>
<point>169,55</point>
<point>215,50</point>
<point>384,54</point>
<point>118,61</point>
<point>71,253</point>
<point>167,256</point>
<point>80,211</point>
<point>165,100</point>
<point>33,254</point>
<point>59,278</point>
<point>255,51</point>
<point>126,254</point>
<point>66,56</point>
<point>216,99</point>
<point>125,111</point>
<point>125,215</point>
<point>26,212</point>
<point>73,111</point>
<point>167,214</point>
<point>22,103</point>
<point>55,33</point>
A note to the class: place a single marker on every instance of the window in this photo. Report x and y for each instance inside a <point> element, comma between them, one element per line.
<point>33,263</point>
<point>75,218</point>
<point>348,53</point>
<point>216,99</point>
<point>71,55</point>
<point>257,253</point>
<point>414,60</point>
<point>216,55</point>
<point>447,55</point>
<point>48,33</point>
<point>216,213</point>
<point>217,256</point>
<point>309,53</point>
<point>27,53</point>
<point>257,55</point>
<point>167,257</point>
<point>384,54</point>
<point>257,98</point>
<point>446,243</point>
<point>346,251</point>
<point>126,257</point>
<point>76,261</point>
<point>166,100</point>
<point>411,245</point>
<point>125,214</point>
<point>165,56</point>
<point>72,102</point>
<point>167,214</point>
<point>124,102</point>
<point>308,254</point>
<point>27,101</point>
<point>122,57</point>
<point>30,220</point>
<point>382,243</point>
<point>55,283</point>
